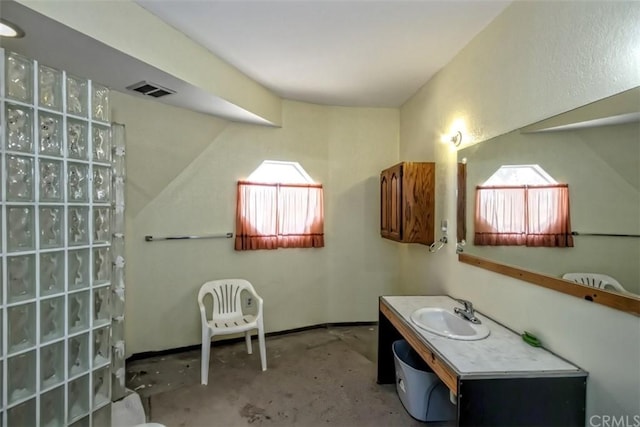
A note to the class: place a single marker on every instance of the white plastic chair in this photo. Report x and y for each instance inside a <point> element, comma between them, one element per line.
<point>227,317</point>
<point>596,280</point>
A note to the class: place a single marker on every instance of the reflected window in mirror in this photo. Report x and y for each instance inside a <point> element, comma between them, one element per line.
<point>594,148</point>
<point>520,175</point>
<point>522,205</point>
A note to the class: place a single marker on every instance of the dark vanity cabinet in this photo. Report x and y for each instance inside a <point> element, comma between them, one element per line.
<point>407,202</point>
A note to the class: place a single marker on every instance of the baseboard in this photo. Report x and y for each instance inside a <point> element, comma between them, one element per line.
<point>148,354</point>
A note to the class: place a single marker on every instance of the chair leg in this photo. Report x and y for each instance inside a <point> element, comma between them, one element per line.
<point>263,350</point>
<point>206,347</point>
<point>247,338</point>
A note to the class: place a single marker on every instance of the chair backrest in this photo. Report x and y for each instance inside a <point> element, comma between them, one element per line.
<point>226,295</point>
<point>595,280</point>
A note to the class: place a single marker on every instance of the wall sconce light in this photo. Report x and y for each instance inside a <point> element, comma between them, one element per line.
<point>9,29</point>
<point>456,138</point>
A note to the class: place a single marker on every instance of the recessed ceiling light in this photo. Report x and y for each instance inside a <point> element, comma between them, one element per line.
<point>9,29</point>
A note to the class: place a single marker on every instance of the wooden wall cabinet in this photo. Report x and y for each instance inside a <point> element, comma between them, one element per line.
<point>407,202</point>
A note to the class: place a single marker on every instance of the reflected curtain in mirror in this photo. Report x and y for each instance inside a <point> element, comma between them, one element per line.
<point>461,201</point>
<point>271,216</point>
<point>523,216</point>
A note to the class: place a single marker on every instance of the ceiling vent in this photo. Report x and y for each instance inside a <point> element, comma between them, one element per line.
<point>150,89</point>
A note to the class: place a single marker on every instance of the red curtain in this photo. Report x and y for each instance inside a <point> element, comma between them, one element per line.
<point>523,215</point>
<point>271,216</point>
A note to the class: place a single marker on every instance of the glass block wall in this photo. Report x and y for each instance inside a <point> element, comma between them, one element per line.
<point>118,390</point>
<point>58,216</point>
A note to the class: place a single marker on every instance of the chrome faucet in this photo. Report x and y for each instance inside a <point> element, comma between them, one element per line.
<point>468,313</point>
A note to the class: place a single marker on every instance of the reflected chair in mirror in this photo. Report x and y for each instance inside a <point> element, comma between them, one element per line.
<point>595,280</point>
<point>227,317</point>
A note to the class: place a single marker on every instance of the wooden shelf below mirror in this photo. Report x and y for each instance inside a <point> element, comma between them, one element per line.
<point>626,303</point>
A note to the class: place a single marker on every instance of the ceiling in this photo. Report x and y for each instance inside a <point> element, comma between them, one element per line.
<point>360,53</point>
<point>59,46</point>
<point>363,53</point>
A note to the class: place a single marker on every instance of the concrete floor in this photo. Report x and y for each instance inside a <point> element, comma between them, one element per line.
<point>324,376</point>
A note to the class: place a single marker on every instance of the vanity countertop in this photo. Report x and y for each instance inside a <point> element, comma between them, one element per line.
<point>502,353</point>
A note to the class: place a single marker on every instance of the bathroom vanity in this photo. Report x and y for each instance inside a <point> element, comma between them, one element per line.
<point>495,381</point>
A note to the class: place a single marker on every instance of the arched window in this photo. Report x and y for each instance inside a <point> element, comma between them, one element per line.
<point>279,206</point>
<point>274,171</point>
<point>522,205</point>
<point>520,175</point>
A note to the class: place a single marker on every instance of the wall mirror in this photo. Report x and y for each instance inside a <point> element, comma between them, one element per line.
<point>595,149</point>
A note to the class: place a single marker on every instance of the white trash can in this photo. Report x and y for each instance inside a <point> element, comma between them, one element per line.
<point>421,392</point>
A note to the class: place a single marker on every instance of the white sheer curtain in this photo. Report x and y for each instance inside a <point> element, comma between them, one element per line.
<point>523,215</point>
<point>271,216</point>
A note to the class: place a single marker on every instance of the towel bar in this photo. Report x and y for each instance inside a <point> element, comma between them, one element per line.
<point>208,236</point>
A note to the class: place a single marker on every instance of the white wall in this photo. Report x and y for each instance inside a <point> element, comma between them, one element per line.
<point>343,148</point>
<point>535,60</point>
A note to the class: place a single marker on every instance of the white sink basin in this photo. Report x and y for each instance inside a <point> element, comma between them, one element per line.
<point>447,324</point>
